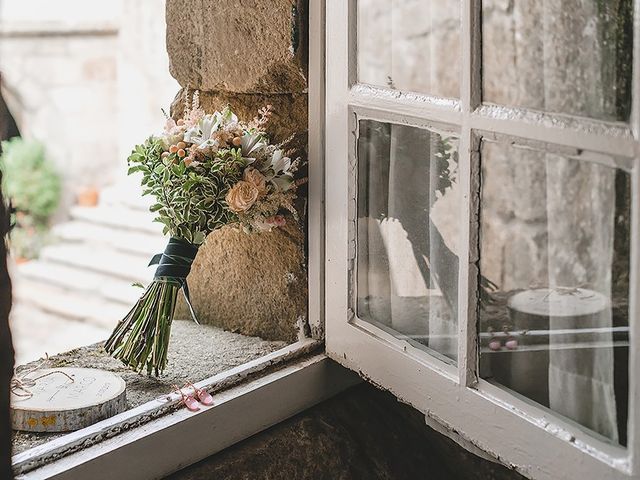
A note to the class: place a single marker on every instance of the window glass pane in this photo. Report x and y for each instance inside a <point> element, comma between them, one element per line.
<point>565,56</point>
<point>410,45</point>
<point>407,244</point>
<point>554,265</point>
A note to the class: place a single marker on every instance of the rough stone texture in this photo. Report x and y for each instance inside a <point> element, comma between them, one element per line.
<point>195,353</point>
<point>247,46</point>
<point>246,54</point>
<point>362,433</point>
<point>252,284</point>
<point>412,45</point>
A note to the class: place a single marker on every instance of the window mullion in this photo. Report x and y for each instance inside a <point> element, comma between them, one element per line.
<point>471,81</point>
<point>635,92</point>
<point>316,168</point>
<point>470,98</point>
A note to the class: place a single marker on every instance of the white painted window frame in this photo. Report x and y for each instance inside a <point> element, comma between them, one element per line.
<point>528,438</point>
<point>158,438</point>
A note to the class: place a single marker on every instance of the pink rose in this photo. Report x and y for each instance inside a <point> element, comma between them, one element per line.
<point>242,196</point>
<point>254,177</point>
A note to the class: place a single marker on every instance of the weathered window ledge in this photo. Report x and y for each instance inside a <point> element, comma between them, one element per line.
<point>197,352</point>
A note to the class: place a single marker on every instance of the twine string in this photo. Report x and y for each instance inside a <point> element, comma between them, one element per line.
<point>21,383</point>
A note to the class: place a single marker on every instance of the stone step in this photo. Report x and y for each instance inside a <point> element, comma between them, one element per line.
<point>68,305</point>
<point>127,194</point>
<point>36,333</point>
<point>125,293</point>
<point>83,281</point>
<point>124,266</point>
<point>128,241</point>
<point>119,217</point>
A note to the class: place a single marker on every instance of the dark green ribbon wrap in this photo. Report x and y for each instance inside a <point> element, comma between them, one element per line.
<point>174,264</point>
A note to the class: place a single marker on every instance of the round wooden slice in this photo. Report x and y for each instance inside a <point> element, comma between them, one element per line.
<point>558,303</point>
<point>61,405</point>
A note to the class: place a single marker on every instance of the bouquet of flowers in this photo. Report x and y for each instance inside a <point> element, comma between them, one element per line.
<point>205,171</point>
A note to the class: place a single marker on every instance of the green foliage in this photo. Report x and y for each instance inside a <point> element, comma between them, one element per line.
<point>29,180</point>
<point>446,162</point>
<point>190,201</point>
<point>33,186</point>
<point>26,241</point>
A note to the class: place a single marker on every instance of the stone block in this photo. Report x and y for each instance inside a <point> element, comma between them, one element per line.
<point>514,254</point>
<point>251,284</point>
<point>248,55</point>
<point>513,182</point>
<point>243,46</point>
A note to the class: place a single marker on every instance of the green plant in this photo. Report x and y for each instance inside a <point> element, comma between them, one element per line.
<point>33,186</point>
<point>29,179</point>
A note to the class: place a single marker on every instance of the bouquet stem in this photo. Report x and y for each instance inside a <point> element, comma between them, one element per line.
<point>141,338</point>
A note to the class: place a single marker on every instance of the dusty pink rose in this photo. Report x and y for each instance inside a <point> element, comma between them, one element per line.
<point>254,177</point>
<point>242,196</point>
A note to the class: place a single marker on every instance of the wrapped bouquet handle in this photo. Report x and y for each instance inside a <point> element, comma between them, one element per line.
<point>174,264</point>
<point>141,338</point>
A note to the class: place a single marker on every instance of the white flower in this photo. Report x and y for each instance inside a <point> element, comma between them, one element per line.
<point>283,182</point>
<point>171,134</point>
<point>280,163</point>
<point>251,144</point>
<point>202,133</point>
<point>227,117</point>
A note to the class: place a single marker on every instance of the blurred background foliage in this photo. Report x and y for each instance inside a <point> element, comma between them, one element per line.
<point>33,186</point>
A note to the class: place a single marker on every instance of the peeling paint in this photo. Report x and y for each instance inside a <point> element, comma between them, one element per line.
<point>150,411</point>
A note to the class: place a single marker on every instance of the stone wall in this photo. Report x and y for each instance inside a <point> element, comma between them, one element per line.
<point>85,78</point>
<point>52,71</point>
<point>246,54</point>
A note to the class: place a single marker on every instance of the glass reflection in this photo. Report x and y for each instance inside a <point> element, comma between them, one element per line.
<point>564,56</point>
<point>407,243</point>
<point>410,45</point>
<point>554,269</point>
